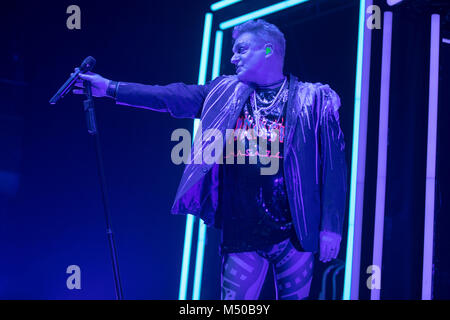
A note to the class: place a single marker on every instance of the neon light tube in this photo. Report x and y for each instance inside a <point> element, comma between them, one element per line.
<point>205,48</point>
<point>382,148</point>
<point>190,220</point>
<point>199,260</point>
<point>222,4</point>
<point>352,261</point>
<point>260,13</point>
<point>217,54</point>
<point>393,2</point>
<point>202,227</point>
<point>427,274</point>
<point>186,257</point>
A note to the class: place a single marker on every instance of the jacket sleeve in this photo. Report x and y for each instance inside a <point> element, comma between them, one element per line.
<point>179,99</point>
<point>333,163</point>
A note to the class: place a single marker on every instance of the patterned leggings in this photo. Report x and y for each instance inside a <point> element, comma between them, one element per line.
<point>243,273</point>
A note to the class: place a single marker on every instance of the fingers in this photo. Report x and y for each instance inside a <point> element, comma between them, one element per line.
<point>76,69</point>
<point>336,252</point>
<point>331,251</point>
<point>79,84</point>
<point>328,253</point>
<point>329,245</point>
<point>324,252</point>
<point>87,77</point>
<point>80,87</point>
<point>88,72</point>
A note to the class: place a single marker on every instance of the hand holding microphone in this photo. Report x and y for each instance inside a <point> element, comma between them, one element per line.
<point>99,85</point>
<point>86,66</point>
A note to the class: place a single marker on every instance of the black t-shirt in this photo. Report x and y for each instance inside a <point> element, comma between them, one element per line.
<point>254,207</point>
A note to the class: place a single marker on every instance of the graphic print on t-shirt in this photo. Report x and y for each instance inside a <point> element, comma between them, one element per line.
<point>255,208</point>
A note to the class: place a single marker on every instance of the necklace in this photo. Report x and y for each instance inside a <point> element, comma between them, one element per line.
<point>269,107</point>
<point>259,112</point>
<point>264,100</point>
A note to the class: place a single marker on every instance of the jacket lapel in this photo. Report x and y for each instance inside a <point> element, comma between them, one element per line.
<point>291,114</point>
<point>242,97</point>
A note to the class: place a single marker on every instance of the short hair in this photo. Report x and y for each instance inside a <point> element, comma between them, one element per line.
<point>263,30</point>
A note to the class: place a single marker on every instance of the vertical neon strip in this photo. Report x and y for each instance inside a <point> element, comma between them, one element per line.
<point>190,219</point>
<point>202,227</point>
<point>199,260</point>
<point>382,149</point>
<point>427,275</point>
<point>205,48</point>
<point>351,278</point>
<point>186,257</point>
<point>222,4</point>
<point>260,13</point>
<point>217,54</point>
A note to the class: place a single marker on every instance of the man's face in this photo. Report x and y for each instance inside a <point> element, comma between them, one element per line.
<point>249,58</point>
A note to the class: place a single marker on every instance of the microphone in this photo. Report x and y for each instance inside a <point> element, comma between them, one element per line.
<point>87,65</point>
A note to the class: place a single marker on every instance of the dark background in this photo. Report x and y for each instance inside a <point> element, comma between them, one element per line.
<point>50,203</point>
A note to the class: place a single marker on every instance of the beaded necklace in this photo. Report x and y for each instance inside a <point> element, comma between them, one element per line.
<point>262,111</point>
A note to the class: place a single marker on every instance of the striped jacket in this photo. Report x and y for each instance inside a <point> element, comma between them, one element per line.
<point>315,168</point>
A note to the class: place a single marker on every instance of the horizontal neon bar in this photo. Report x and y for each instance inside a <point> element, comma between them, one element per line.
<point>260,13</point>
<point>393,2</point>
<point>222,4</point>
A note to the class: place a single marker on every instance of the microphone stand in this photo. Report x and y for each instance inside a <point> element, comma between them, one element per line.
<point>92,129</point>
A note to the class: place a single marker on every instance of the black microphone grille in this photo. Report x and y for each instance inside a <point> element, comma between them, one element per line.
<point>87,64</point>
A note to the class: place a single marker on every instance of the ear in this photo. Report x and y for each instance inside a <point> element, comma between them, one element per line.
<point>268,48</point>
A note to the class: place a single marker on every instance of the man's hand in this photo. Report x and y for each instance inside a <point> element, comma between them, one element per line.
<point>98,84</point>
<point>329,245</point>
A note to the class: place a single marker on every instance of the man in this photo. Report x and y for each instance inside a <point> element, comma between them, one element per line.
<point>280,219</point>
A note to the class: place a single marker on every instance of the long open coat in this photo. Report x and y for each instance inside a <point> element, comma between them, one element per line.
<point>315,169</point>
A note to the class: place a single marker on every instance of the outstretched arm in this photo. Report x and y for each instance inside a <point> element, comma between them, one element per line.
<point>179,99</point>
